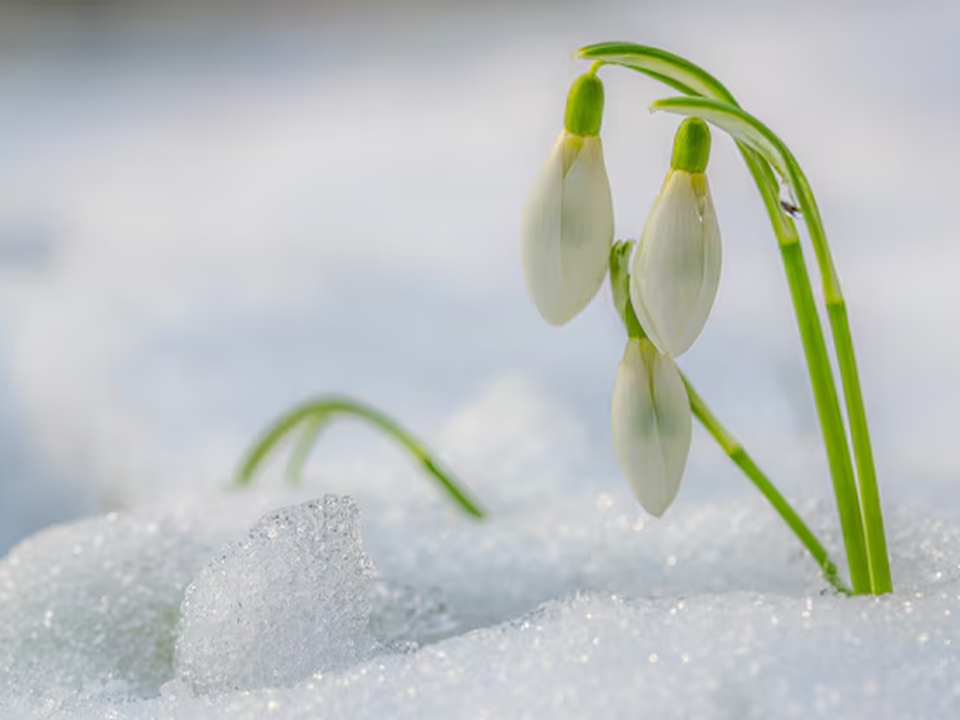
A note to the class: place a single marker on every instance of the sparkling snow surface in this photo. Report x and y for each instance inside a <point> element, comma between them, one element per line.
<point>572,608</point>
<point>286,602</point>
<point>202,225</point>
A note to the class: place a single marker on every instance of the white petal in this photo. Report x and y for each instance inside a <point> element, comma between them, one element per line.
<point>652,425</point>
<point>676,269</point>
<point>568,229</point>
<point>711,249</point>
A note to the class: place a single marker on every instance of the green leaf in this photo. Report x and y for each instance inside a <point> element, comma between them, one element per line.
<point>311,417</point>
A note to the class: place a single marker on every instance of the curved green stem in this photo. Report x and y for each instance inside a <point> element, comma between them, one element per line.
<point>863,533</point>
<point>312,416</point>
<point>821,376</point>
<point>736,452</point>
<point>853,395</point>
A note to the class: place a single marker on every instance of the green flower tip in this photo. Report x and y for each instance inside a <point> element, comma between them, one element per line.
<point>585,106</point>
<point>691,146</point>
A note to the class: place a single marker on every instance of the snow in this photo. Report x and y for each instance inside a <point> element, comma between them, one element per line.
<point>573,608</point>
<point>89,609</point>
<point>567,602</point>
<point>289,600</point>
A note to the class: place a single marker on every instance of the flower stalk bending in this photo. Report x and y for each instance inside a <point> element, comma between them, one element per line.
<point>767,158</point>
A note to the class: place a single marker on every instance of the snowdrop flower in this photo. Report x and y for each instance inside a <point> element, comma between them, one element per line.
<point>676,269</point>
<point>651,424</point>
<point>567,225</point>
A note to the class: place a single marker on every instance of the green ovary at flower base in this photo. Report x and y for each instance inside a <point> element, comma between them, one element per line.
<point>567,225</point>
<point>676,269</point>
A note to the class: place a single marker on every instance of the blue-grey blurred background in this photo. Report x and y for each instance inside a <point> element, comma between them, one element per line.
<point>211,210</point>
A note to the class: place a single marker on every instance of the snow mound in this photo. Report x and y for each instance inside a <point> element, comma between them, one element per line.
<point>290,599</point>
<point>572,608</point>
<point>91,608</point>
<point>737,655</point>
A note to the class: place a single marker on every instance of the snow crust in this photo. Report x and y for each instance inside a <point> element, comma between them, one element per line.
<point>288,600</point>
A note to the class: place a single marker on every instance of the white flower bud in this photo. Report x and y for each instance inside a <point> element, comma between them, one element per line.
<point>568,228</point>
<point>651,425</point>
<point>676,269</point>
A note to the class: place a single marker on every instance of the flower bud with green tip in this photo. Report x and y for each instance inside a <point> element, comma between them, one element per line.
<point>652,424</point>
<point>567,224</point>
<point>676,270</point>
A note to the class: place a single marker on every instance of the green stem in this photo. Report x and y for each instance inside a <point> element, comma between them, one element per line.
<point>862,451</point>
<point>317,412</point>
<point>741,459</point>
<point>846,358</point>
<point>821,374</point>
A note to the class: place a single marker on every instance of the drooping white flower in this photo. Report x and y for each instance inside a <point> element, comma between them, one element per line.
<point>567,227</point>
<point>676,269</point>
<point>652,424</point>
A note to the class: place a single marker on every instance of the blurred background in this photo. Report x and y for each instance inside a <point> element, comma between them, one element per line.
<point>212,210</point>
